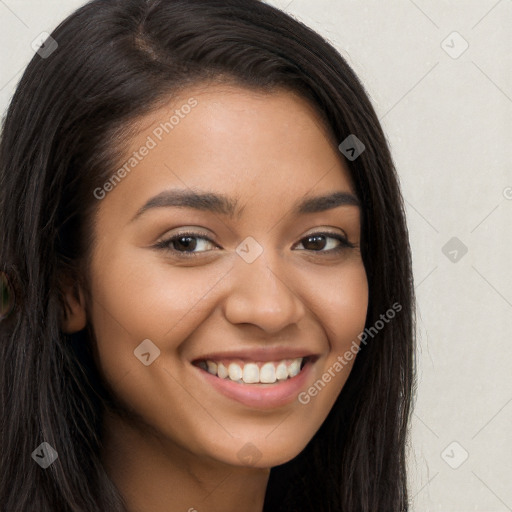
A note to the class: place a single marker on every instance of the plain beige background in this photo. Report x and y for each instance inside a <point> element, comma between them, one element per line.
<point>439,74</point>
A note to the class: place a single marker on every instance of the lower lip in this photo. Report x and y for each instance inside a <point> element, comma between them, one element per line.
<point>261,396</point>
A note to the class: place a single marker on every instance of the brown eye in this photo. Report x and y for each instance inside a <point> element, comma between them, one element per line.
<point>315,243</point>
<point>185,244</point>
<point>318,242</point>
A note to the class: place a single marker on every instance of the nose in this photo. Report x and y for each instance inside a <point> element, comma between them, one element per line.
<point>262,296</point>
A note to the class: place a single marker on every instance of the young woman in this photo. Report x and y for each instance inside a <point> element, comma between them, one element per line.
<point>208,295</point>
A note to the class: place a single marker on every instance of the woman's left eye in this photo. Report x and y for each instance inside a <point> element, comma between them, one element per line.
<point>319,241</point>
<point>187,244</point>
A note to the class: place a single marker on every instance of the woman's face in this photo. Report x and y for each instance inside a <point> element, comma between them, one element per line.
<point>255,279</point>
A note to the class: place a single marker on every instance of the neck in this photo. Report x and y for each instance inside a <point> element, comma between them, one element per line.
<point>154,475</point>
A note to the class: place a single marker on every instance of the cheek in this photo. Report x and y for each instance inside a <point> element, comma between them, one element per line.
<point>349,313</point>
<point>341,301</point>
<point>146,295</point>
<point>137,298</point>
<point>345,319</point>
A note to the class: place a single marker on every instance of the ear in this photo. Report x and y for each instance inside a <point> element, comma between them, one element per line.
<point>75,317</point>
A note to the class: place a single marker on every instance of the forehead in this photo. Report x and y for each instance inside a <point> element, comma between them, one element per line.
<point>267,146</point>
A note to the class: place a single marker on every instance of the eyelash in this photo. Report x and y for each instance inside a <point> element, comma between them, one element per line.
<point>165,245</point>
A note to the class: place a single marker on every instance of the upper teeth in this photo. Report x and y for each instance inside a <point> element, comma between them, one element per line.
<point>252,373</point>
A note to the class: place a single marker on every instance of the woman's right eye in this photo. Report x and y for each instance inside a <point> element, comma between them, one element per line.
<point>184,244</point>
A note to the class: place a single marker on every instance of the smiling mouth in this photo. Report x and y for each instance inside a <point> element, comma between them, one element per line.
<point>254,372</point>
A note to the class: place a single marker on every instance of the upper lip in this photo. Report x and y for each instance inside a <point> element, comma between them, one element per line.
<point>259,354</point>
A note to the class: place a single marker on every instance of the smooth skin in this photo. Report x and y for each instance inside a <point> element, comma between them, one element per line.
<point>177,449</point>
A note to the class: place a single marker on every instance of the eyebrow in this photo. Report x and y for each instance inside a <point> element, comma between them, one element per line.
<point>221,204</point>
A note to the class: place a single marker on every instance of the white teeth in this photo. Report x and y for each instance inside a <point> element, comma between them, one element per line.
<point>294,368</point>
<point>212,367</point>
<point>222,371</point>
<point>268,373</point>
<point>253,373</point>
<point>234,371</point>
<point>281,371</point>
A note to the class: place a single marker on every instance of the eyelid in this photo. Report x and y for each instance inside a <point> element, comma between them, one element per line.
<point>326,231</point>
